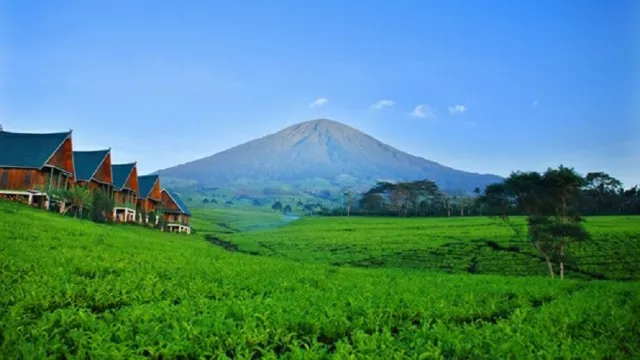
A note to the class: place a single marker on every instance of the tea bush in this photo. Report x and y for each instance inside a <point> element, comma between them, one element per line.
<point>452,245</point>
<point>76,289</point>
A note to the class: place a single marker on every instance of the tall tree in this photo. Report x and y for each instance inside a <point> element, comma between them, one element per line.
<point>603,188</point>
<point>348,201</point>
<point>550,202</point>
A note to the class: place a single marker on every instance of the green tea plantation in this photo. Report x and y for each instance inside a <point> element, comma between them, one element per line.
<point>332,288</point>
<point>478,245</point>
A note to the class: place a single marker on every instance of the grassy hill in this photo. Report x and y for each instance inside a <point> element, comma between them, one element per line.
<point>447,244</point>
<point>74,289</point>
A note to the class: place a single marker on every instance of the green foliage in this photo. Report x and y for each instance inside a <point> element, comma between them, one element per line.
<point>551,203</point>
<point>447,245</point>
<point>130,292</point>
<point>101,206</point>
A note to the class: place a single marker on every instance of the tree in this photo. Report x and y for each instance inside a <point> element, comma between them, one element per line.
<point>603,188</point>
<point>550,202</point>
<point>79,198</point>
<point>277,206</point>
<point>101,206</point>
<point>371,202</point>
<point>477,203</point>
<point>287,209</point>
<point>348,201</point>
<point>205,201</point>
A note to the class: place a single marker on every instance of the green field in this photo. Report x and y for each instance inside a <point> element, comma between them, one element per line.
<point>74,289</point>
<point>449,245</point>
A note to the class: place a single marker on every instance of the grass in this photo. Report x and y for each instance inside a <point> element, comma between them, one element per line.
<point>450,245</point>
<point>228,221</point>
<point>75,289</point>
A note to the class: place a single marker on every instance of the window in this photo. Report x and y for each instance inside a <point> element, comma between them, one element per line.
<point>4,180</point>
<point>27,179</point>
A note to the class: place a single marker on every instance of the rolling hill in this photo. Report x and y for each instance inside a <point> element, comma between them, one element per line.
<point>316,155</point>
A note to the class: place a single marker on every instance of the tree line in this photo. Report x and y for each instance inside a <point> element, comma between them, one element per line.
<point>597,193</point>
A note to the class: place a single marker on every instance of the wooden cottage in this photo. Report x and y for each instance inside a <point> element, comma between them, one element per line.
<point>93,170</point>
<point>176,213</point>
<point>33,164</point>
<point>149,200</point>
<point>125,191</point>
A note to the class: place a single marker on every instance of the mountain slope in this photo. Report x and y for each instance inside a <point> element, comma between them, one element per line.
<point>320,149</point>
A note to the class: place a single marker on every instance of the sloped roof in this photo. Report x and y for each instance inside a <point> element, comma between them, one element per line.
<point>87,163</point>
<point>27,150</point>
<point>120,173</point>
<point>178,201</point>
<point>145,184</point>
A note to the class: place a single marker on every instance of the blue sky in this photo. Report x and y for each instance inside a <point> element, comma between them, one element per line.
<point>485,86</point>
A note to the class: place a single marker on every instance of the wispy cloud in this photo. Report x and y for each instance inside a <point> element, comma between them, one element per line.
<point>382,104</point>
<point>318,102</point>
<point>457,109</point>
<point>535,104</point>
<point>423,111</point>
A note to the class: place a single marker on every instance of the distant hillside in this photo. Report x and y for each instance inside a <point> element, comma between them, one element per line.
<point>316,155</point>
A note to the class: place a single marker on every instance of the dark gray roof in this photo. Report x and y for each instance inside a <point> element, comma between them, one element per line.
<point>86,163</point>
<point>145,184</point>
<point>120,173</point>
<point>26,150</point>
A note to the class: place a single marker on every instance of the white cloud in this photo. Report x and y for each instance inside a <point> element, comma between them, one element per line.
<point>382,104</point>
<point>423,111</point>
<point>535,104</point>
<point>318,102</point>
<point>457,109</point>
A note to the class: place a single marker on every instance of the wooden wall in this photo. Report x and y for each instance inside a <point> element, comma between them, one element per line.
<point>121,197</point>
<point>169,204</point>
<point>172,218</point>
<point>94,185</point>
<point>148,205</point>
<point>30,179</point>
<point>63,158</point>
<point>155,191</point>
<point>132,181</point>
<point>103,174</point>
<point>20,179</point>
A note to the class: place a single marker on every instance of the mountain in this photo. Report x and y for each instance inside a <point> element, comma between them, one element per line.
<point>318,153</point>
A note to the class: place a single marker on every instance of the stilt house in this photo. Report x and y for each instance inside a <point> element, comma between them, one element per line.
<point>176,213</point>
<point>31,165</point>
<point>149,200</point>
<point>125,193</point>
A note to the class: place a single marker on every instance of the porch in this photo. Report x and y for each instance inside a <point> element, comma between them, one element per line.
<point>178,228</point>
<point>30,197</point>
<point>124,214</point>
<point>149,219</point>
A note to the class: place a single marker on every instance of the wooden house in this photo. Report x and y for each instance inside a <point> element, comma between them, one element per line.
<point>149,199</point>
<point>125,191</point>
<point>93,170</point>
<point>176,213</point>
<point>33,164</point>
